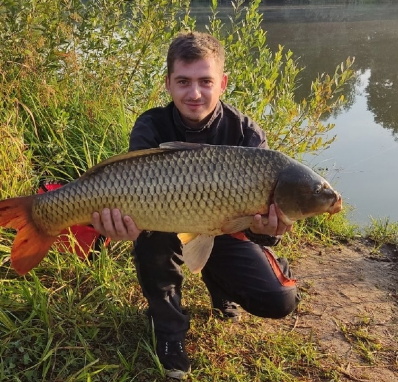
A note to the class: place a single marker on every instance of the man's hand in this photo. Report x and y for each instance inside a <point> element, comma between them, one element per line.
<point>274,227</point>
<point>112,224</point>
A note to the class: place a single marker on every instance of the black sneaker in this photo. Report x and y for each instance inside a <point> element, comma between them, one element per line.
<point>223,306</point>
<point>226,310</point>
<point>173,357</point>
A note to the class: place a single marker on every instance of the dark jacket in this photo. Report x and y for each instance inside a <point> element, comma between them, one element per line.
<point>227,126</point>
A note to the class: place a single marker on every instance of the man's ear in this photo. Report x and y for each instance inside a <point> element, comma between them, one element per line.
<point>167,83</point>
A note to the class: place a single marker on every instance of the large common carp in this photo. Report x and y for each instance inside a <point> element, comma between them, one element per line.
<point>199,190</point>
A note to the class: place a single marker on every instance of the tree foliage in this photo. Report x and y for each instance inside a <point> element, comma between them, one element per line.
<point>75,75</point>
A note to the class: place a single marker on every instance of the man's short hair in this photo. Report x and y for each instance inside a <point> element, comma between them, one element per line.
<point>193,46</point>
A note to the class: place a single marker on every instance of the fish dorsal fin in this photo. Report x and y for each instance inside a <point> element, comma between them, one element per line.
<point>125,156</point>
<point>164,147</point>
<point>177,145</point>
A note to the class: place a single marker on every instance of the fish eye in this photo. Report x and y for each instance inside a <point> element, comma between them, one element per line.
<point>318,190</point>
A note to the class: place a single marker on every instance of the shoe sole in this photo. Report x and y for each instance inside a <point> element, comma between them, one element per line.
<point>217,313</point>
<point>177,374</point>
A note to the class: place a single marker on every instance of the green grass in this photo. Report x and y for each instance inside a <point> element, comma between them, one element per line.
<point>364,343</point>
<point>382,231</point>
<point>324,229</point>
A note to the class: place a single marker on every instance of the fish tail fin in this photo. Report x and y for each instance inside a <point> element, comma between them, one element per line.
<point>30,244</point>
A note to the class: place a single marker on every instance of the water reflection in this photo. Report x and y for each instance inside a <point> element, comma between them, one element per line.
<point>324,36</point>
<point>383,90</point>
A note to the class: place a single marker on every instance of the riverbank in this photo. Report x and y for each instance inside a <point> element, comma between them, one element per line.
<point>350,307</point>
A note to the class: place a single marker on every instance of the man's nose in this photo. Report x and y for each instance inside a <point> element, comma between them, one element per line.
<point>194,91</point>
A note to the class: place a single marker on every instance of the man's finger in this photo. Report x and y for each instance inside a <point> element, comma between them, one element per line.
<point>118,223</point>
<point>132,229</point>
<point>97,223</point>
<point>107,221</point>
<point>272,217</point>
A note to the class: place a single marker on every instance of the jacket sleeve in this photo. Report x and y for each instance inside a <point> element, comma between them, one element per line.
<point>254,135</point>
<point>144,134</point>
<point>263,240</point>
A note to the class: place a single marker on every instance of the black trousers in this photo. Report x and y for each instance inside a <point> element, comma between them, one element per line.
<point>239,270</point>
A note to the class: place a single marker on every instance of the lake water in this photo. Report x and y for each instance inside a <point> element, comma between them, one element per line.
<point>362,163</point>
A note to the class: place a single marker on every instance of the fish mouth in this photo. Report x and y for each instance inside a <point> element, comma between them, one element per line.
<point>337,206</point>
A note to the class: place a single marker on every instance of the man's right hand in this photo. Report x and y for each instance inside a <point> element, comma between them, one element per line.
<point>111,223</point>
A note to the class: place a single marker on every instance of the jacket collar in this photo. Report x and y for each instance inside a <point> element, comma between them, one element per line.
<point>210,125</point>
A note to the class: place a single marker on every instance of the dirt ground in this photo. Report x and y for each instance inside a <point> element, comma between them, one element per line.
<point>350,305</point>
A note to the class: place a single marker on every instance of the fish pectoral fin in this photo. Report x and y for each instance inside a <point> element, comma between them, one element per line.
<point>185,238</point>
<point>197,251</point>
<point>240,224</point>
<point>237,224</point>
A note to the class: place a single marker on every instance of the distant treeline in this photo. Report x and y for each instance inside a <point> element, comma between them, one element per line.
<point>298,2</point>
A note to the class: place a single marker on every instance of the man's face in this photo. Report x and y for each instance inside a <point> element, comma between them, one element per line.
<point>196,88</point>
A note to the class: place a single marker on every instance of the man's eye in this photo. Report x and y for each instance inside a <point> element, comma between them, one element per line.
<point>183,82</point>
